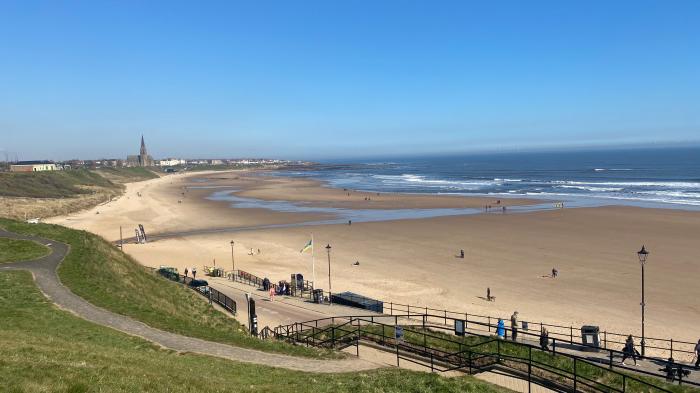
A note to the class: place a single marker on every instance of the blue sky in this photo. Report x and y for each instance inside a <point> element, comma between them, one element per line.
<point>321,79</point>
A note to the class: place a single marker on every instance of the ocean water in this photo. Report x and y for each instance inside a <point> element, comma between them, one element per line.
<point>668,177</point>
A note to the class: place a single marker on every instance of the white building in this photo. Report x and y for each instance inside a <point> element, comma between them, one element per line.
<point>33,166</point>
<point>171,162</point>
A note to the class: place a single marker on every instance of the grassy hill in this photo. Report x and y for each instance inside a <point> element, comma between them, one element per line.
<point>54,184</point>
<point>126,175</point>
<point>47,194</point>
<point>44,349</point>
<point>106,277</point>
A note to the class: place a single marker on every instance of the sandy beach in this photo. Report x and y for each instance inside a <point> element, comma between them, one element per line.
<point>415,261</point>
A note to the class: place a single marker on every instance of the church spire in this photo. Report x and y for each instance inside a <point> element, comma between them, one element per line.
<point>143,148</point>
<point>143,156</point>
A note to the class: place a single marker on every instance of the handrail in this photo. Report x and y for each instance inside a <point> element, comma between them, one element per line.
<point>472,349</point>
<point>560,332</point>
<point>213,295</point>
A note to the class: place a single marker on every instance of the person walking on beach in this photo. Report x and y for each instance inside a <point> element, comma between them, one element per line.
<point>697,355</point>
<point>194,273</point>
<point>514,325</point>
<point>461,254</point>
<point>554,272</point>
<point>629,351</point>
<point>501,329</point>
<point>544,339</point>
<point>488,294</point>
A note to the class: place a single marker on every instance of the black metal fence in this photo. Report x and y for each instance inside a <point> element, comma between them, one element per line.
<point>211,294</point>
<point>661,348</point>
<point>656,347</point>
<point>441,352</point>
<point>306,291</point>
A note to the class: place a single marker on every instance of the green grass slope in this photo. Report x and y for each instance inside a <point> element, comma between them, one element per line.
<point>126,175</point>
<point>12,250</point>
<point>44,349</point>
<point>101,274</point>
<point>53,184</point>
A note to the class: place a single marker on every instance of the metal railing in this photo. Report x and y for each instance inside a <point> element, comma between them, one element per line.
<point>213,295</point>
<point>441,352</point>
<point>661,347</point>
<point>256,281</point>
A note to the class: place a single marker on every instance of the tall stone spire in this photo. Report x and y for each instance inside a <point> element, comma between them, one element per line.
<point>143,155</point>
<point>143,148</point>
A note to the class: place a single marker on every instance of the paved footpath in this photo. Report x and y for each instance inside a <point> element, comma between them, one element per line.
<point>44,270</point>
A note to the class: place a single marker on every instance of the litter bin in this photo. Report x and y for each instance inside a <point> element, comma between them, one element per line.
<point>590,338</point>
<point>525,325</point>
<point>318,296</point>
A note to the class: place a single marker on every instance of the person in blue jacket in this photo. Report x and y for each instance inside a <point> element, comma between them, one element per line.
<point>501,329</point>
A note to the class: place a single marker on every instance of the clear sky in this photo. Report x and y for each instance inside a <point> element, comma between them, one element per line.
<point>321,79</point>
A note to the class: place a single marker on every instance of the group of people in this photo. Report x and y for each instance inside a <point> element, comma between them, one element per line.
<point>193,271</point>
<point>501,326</point>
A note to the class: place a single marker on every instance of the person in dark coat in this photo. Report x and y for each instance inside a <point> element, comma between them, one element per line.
<point>629,351</point>
<point>544,339</point>
<point>514,325</point>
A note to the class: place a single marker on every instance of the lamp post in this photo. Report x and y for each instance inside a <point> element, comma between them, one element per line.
<point>328,249</point>
<point>642,254</point>
<point>233,262</point>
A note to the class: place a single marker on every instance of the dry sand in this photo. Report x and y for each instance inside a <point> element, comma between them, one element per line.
<point>414,261</point>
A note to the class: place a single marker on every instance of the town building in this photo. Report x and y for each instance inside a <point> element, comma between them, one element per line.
<point>33,166</point>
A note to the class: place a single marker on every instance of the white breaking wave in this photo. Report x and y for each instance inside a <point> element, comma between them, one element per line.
<point>422,180</point>
<point>593,189</point>
<point>669,184</point>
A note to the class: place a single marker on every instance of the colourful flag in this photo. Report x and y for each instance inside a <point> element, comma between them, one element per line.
<point>308,246</point>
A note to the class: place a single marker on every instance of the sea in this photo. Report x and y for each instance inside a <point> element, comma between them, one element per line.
<point>648,177</point>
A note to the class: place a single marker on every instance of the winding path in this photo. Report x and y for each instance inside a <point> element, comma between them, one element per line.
<point>44,271</point>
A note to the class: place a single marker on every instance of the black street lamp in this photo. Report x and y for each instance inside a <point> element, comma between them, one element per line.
<point>233,261</point>
<point>643,254</point>
<point>330,290</point>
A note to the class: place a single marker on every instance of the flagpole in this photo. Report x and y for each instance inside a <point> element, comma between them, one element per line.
<point>313,262</point>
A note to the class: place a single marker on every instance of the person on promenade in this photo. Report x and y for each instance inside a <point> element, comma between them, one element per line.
<point>697,355</point>
<point>514,325</point>
<point>544,339</point>
<point>194,273</point>
<point>628,351</point>
<point>501,329</point>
